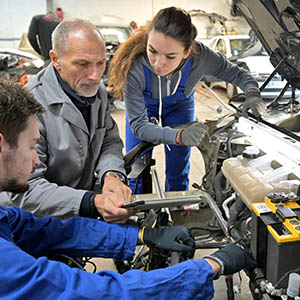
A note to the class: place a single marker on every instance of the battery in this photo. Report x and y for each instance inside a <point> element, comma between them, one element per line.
<point>275,240</point>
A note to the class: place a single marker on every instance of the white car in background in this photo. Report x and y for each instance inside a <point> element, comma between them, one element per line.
<point>115,31</point>
<point>256,60</point>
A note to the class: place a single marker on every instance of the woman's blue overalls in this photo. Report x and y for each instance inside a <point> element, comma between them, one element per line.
<point>177,109</point>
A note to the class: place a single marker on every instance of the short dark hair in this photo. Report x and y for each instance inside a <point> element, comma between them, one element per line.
<point>17,104</point>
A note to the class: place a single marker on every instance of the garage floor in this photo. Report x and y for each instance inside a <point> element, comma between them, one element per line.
<point>206,107</point>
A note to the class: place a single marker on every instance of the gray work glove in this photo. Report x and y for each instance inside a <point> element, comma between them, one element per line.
<point>192,135</point>
<point>174,238</point>
<point>255,103</point>
<point>232,259</point>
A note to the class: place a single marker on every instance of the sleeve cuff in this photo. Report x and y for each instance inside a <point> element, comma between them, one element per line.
<point>116,174</point>
<point>87,206</point>
<point>219,262</point>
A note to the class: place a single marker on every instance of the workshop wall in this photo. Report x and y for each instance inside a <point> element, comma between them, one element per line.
<point>140,11</point>
<point>15,15</point>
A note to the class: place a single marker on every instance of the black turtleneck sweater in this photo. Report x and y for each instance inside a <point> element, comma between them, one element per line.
<point>82,103</point>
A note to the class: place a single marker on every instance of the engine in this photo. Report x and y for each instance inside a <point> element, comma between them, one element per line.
<point>263,210</point>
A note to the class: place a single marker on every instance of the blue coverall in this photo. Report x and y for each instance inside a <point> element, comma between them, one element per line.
<point>177,109</point>
<point>26,274</point>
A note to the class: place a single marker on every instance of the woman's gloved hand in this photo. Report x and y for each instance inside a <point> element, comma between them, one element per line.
<point>232,259</point>
<point>192,135</point>
<point>174,238</point>
<point>254,102</point>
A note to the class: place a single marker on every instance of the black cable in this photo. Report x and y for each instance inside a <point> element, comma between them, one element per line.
<point>205,228</point>
<point>297,270</point>
<point>228,143</point>
<point>206,175</point>
<point>218,187</point>
<point>68,258</point>
<point>87,261</point>
<point>260,120</point>
<point>229,285</point>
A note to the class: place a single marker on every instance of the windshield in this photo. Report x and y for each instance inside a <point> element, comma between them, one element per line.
<point>238,45</point>
<point>115,34</point>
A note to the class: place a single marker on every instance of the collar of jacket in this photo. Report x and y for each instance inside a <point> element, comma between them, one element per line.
<point>56,95</point>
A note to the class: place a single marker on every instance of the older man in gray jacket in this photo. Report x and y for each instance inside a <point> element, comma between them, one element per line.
<point>80,144</point>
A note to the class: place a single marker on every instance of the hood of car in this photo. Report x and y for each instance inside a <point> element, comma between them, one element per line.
<point>258,64</point>
<point>277,26</point>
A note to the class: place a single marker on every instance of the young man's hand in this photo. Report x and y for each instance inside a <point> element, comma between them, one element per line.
<point>232,259</point>
<point>174,238</point>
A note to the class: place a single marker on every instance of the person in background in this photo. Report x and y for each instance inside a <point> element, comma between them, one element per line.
<point>39,34</point>
<point>155,71</point>
<point>80,148</point>
<point>134,26</point>
<point>25,240</point>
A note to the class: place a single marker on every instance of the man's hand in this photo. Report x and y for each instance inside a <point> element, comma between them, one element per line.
<point>254,102</point>
<point>174,238</point>
<point>114,195</point>
<point>115,185</point>
<point>192,135</point>
<point>231,259</point>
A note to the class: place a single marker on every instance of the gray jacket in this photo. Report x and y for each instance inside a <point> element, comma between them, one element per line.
<point>70,153</point>
<point>205,62</point>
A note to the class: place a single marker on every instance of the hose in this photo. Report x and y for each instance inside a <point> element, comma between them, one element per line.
<point>218,187</point>
<point>228,143</point>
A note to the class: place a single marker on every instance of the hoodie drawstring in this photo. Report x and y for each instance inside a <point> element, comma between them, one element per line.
<point>160,106</point>
<point>160,101</point>
<point>177,83</point>
<point>168,88</point>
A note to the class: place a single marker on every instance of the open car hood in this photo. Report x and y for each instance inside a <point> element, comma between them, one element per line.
<point>277,26</point>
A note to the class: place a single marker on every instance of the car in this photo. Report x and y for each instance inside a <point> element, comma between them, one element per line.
<point>253,57</point>
<point>260,228</point>
<point>18,66</point>
<point>114,32</point>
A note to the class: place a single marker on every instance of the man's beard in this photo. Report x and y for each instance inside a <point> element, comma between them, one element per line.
<point>80,92</point>
<point>12,182</point>
<point>13,186</point>
<point>78,89</point>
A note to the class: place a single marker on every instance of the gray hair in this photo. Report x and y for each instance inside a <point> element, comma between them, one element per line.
<point>62,31</point>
